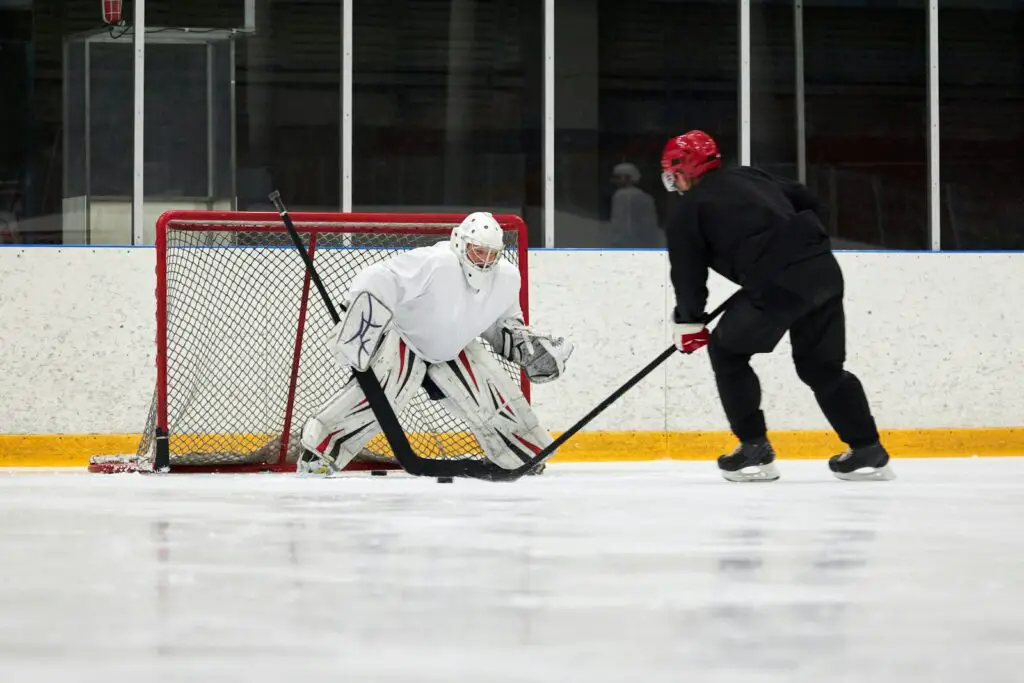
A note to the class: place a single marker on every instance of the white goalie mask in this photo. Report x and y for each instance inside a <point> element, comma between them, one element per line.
<point>479,242</point>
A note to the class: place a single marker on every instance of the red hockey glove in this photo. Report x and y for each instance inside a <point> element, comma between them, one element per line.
<point>689,337</point>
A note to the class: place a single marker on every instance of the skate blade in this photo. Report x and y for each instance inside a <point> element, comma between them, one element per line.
<point>883,473</point>
<point>753,473</point>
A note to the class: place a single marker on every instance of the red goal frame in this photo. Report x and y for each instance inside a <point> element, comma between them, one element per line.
<point>312,224</point>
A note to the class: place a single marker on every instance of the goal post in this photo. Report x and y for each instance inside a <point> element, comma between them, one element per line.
<point>241,360</point>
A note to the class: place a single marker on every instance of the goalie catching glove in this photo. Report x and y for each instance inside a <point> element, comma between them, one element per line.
<point>356,340</point>
<point>542,356</point>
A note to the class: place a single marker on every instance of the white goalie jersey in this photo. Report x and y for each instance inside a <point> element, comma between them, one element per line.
<point>432,307</point>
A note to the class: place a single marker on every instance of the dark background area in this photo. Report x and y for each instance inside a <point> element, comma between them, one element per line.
<point>448,108</point>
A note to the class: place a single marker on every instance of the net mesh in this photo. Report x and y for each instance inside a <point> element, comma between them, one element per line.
<point>246,360</point>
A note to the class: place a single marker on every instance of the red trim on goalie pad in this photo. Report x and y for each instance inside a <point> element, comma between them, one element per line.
<point>401,357</point>
<point>535,449</point>
<point>506,404</point>
<point>469,370</point>
<point>322,446</point>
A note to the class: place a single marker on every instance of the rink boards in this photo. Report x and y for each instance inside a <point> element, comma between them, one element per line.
<point>934,337</point>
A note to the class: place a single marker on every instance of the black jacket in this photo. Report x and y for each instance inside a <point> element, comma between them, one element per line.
<point>748,226</point>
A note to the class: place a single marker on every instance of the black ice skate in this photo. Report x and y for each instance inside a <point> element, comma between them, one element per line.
<point>750,461</point>
<point>870,463</point>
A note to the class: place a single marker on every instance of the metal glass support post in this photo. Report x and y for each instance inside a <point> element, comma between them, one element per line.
<point>66,118</point>
<point>234,130</point>
<point>249,26</point>
<point>211,161</point>
<point>801,111</point>
<point>346,105</point>
<point>139,97</point>
<point>549,123</point>
<point>87,237</point>
<point>934,150</point>
<point>744,82</point>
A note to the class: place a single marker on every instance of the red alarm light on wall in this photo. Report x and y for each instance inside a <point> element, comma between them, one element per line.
<point>112,11</point>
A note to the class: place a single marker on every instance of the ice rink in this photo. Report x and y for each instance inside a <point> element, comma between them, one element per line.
<point>593,573</point>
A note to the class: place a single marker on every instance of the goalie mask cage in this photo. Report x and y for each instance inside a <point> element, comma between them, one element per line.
<point>241,359</point>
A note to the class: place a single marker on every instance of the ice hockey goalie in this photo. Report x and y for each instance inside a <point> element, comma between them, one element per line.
<point>417,320</point>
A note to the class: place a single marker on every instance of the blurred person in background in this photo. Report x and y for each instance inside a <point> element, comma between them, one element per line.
<point>634,216</point>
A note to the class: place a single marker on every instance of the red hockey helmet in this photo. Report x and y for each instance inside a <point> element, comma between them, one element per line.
<point>693,154</point>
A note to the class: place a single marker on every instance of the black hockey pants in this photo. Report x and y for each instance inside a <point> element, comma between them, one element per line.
<point>810,307</point>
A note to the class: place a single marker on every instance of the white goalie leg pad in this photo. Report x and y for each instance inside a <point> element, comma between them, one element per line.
<point>356,340</point>
<point>347,421</point>
<point>478,390</point>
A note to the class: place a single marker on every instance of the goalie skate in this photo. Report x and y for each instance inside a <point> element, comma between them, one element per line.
<point>311,463</point>
<point>749,462</point>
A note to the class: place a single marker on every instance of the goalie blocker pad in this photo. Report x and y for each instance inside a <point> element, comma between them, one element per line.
<point>354,341</point>
<point>478,390</point>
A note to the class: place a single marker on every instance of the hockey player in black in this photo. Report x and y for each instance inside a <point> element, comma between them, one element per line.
<point>765,234</point>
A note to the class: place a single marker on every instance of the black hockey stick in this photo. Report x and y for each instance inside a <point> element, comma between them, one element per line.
<point>368,382</point>
<point>512,475</point>
<point>378,401</point>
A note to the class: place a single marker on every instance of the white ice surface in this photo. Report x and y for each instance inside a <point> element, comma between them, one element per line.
<point>593,573</point>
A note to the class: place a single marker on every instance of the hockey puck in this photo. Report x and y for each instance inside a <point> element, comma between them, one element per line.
<point>445,480</point>
<point>379,473</point>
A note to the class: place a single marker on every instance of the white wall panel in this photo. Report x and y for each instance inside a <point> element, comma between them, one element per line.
<point>935,337</point>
